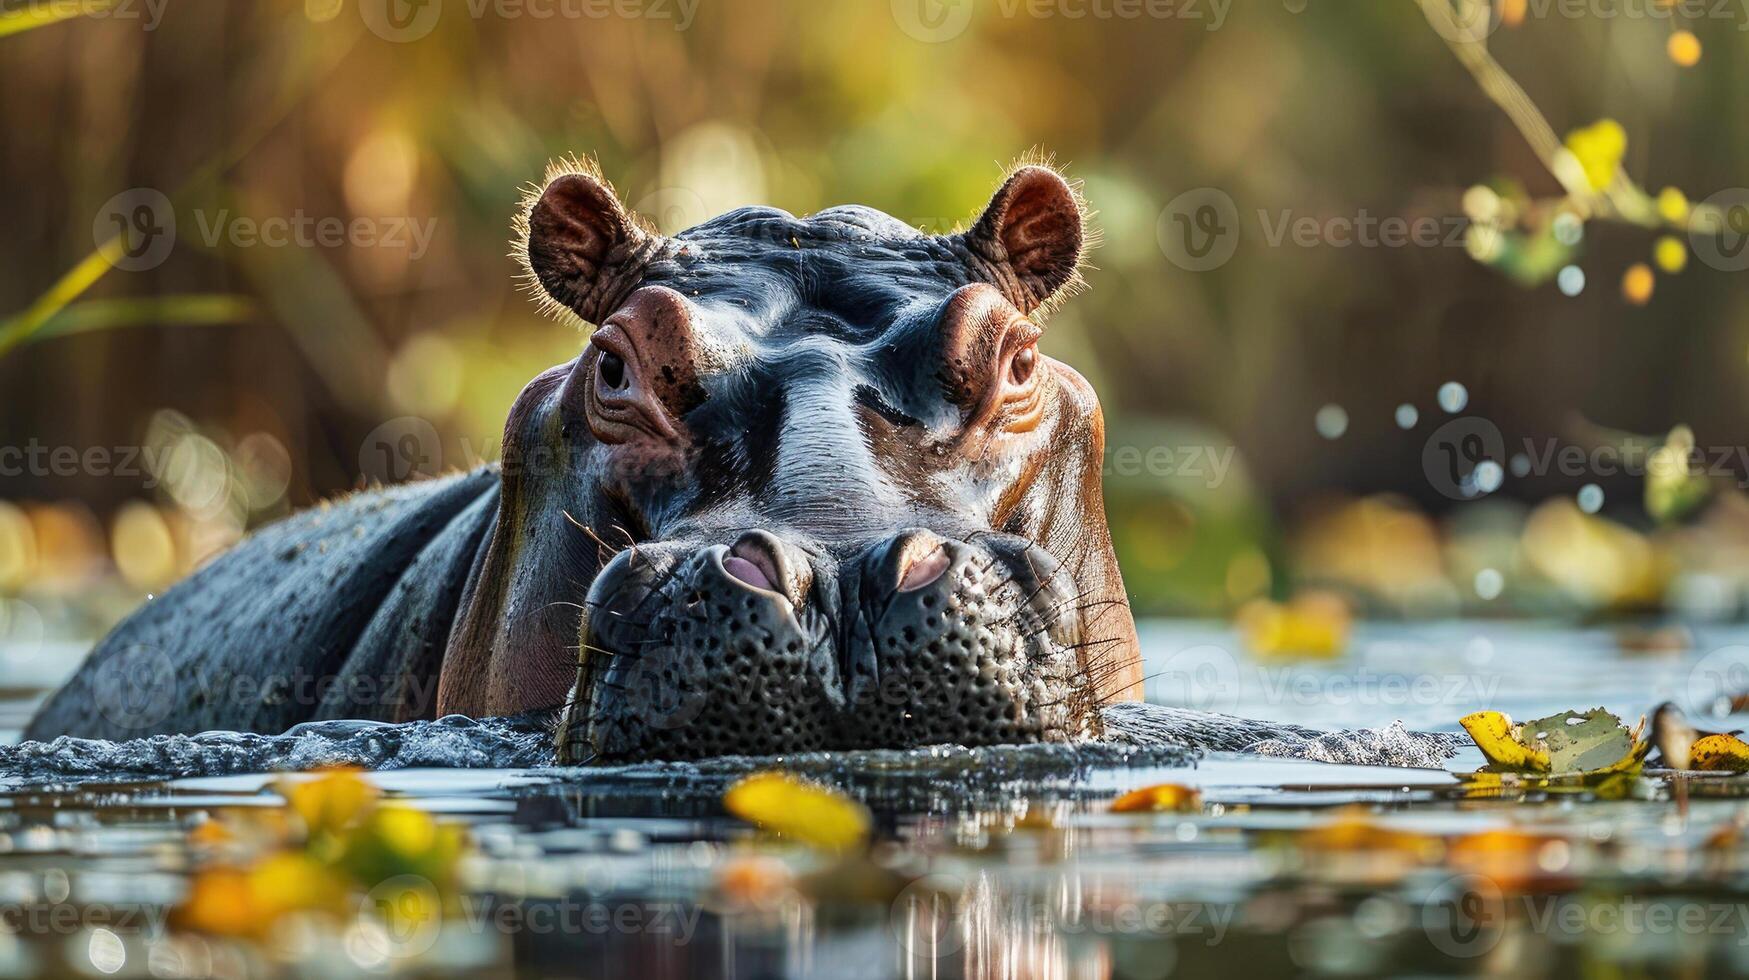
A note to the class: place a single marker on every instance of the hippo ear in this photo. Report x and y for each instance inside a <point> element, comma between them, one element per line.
<point>585,250</point>
<point>1030,237</point>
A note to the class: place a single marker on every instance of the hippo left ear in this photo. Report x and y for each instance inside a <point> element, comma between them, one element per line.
<point>585,250</point>
<point>1030,237</point>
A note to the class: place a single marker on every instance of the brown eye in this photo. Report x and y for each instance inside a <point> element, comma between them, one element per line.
<point>611,370</point>
<point>1025,362</point>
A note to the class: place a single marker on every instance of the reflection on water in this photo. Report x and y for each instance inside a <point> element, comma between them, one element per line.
<point>1004,864</point>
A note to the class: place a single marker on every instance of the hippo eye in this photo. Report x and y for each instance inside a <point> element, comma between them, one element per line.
<point>1021,368</point>
<point>611,369</point>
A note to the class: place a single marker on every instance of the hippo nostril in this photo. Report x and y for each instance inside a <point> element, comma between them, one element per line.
<point>748,572</point>
<point>756,559</point>
<point>924,570</point>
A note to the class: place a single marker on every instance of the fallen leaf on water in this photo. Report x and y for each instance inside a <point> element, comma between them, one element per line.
<point>800,810</point>
<point>1720,753</point>
<point>1164,798</point>
<point>1593,742</point>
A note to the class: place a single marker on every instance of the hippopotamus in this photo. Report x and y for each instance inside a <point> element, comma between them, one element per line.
<point>812,484</point>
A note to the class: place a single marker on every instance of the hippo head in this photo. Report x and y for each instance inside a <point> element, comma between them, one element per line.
<point>812,485</point>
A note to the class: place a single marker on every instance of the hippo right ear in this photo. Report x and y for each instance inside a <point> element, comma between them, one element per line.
<point>1030,238</point>
<point>585,250</point>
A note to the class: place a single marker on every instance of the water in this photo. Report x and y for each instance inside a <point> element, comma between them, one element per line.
<point>1000,862</point>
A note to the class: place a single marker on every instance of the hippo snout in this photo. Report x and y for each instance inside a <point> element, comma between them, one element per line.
<point>758,645</point>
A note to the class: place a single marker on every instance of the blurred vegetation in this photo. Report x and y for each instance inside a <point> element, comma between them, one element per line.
<point>1563,299</point>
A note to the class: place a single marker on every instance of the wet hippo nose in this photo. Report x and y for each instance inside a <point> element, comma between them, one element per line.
<point>756,645</point>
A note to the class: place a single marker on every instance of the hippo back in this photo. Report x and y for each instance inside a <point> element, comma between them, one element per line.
<point>339,611</point>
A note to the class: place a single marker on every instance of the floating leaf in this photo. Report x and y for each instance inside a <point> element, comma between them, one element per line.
<point>1594,742</point>
<point>1720,753</point>
<point>800,810</point>
<point>1164,798</point>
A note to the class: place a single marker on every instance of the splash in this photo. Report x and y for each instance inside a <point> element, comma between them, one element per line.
<point>1149,724</point>
<point>451,742</point>
<point>1136,735</point>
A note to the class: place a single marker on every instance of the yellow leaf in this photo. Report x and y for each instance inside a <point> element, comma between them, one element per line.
<point>1673,205</point>
<point>1498,739</point>
<point>1164,798</point>
<point>1720,753</point>
<point>1670,254</point>
<point>800,810</point>
<point>1599,149</point>
<point>331,802</point>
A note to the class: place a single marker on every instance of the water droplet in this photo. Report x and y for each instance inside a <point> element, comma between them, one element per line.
<point>1331,421</point>
<point>1453,397</point>
<point>1568,228</point>
<point>1407,416</point>
<point>1571,280</point>
<point>1590,498</point>
<point>1489,582</point>
<point>1488,476</point>
<point>1520,465</point>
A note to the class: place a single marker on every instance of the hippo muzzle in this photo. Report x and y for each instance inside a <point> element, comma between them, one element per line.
<point>762,647</point>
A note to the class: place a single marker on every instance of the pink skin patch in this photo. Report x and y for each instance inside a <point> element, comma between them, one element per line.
<point>747,572</point>
<point>924,570</point>
<point>752,561</point>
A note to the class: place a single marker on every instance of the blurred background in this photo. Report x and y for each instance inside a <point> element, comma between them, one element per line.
<point>1403,308</point>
